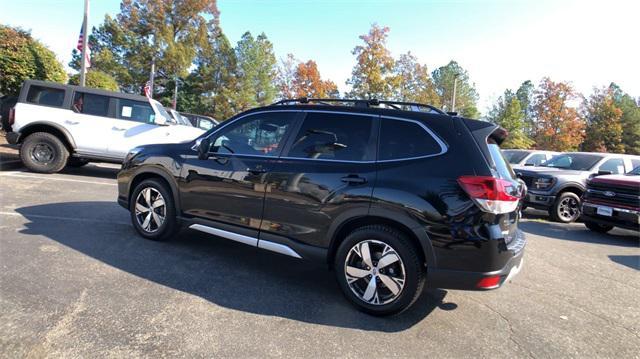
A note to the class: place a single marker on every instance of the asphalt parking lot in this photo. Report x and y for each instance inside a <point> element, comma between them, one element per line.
<point>76,281</point>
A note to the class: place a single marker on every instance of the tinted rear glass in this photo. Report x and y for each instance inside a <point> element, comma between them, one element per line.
<point>135,111</point>
<point>501,165</point>
<point>334,137</point>
<point>514,157</point>
<point>573,161</point>
<point>90,104</point>
<point>405,139</point>
<point>45,96</point>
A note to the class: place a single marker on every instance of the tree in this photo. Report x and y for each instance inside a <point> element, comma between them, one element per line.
<point>630,119</point>
<point>525,96</point>
<point>507,113</point>
<point>308,83</point>
<point>414,84</point>
<point>256,72</point>
<point>558,125</point>
<point>286,73</point>
<point>372,76</point>
<point>604,128</point>
<point>466,94</point>
<point>96,79</point>
<point>23,58</point>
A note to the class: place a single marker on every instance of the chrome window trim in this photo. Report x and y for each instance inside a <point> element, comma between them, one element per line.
<point>443,146</point>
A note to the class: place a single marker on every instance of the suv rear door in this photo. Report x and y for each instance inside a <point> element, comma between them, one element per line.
<point>327,169</point>
<point>89,122</point>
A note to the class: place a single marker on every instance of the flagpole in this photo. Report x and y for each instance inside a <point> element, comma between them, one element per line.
<point>85,39</point>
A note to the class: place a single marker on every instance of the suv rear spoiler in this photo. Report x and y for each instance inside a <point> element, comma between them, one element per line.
<point>482,131</point>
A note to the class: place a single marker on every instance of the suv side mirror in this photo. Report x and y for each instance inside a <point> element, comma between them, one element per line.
<point>204,146</point>
<point>602,173</point>
<point>529,164</point>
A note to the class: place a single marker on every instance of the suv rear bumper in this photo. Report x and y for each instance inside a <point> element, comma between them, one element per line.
<point>620,217</point>
<point>13,137</point>
<point>466,280</point>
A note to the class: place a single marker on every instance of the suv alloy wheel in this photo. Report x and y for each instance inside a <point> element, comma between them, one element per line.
<point>152,210</point>
<point>566,209</point>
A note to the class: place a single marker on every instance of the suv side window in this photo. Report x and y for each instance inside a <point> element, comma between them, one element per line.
<point>536,159</point>
<point>615,165</point>
<point>90,104</point>
<point>45,96</point>
<point>635,164</point>
<point>258,135</point>
<point>405,139</point>
<point>334,137</point>
<point>132,110</point>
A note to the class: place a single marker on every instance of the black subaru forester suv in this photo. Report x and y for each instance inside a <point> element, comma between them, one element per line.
<point>393,196</point>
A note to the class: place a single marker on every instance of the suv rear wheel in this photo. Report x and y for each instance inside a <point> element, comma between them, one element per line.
<point>44,153</point>
<point>152,210</point>
<point>566,209</point>
<point>379,270</point>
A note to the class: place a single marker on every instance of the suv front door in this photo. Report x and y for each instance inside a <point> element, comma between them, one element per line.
<point>327,169</point>
<point>228,188</point>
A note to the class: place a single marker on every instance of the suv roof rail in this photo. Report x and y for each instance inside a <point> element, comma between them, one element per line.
<point>397,105</point>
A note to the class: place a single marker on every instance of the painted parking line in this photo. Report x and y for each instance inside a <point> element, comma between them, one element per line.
<point>58,218</point>
<point>51,178</point>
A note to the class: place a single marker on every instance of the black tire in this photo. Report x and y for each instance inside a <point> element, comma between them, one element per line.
<point>414,274</point>
<point>597,227</point>
<point>566,208</point>
<point>43,152</point>
<point>169,225</point>
<point>76,162</point>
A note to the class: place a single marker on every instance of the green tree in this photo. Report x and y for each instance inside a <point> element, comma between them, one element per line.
<point>414,84</point>
<point>525,95</point>
<point>508,113</point>
<point>256,72</point>
<point>630,119</point>
<point>372,76</point>
<point>23,58</point>
<point>96,79</point>
<point>466,94</point>
<point>604,128</point>
<point>559,126</point>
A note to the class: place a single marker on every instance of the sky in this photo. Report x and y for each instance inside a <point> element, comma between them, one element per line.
<point>500,43</point>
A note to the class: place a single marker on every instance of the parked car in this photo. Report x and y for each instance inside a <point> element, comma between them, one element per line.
<point>522,158</point>
<point>179,119</point>
<point>557,185</point>
<point>612,201</point>
<point>59,124</point>
<point>204,122</point>
<point>390,199</point>
<point>6,112</point>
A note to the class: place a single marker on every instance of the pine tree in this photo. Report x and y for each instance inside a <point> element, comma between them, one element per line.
<point>604,126</point>
<point>466,95</point>
<point>507,113</point>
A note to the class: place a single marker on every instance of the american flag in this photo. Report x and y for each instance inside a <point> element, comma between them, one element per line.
<point>79,47</point>
<point>147,89</point>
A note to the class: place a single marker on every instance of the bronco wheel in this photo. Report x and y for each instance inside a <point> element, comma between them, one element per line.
<point>379,270</point>
<point>44,153</point>
<point>566,209</point>
<point>597,227</point>
<point>152,210</point>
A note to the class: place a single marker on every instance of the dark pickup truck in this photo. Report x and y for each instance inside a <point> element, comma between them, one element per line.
<point>612,201</point>
<point>557,185</point>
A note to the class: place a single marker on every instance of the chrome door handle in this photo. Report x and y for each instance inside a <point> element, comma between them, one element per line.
<point>118,128</point>
<point>71,122</point>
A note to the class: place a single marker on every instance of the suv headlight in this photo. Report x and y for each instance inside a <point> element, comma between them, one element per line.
<point>543,183</point>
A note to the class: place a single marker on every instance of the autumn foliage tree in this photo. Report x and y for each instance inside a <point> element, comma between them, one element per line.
<point>559,126</point>
<point>604,126</point>
<point>308,83</point>
<point>413,82</point>
<point>372,76</point>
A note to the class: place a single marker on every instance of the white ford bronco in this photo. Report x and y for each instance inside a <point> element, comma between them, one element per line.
<point>59,125</point>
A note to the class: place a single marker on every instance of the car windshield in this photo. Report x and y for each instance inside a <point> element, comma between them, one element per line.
<point>514,157</point>
<point>573,161</point>
<point>161,110</point>
<point>634,172</point>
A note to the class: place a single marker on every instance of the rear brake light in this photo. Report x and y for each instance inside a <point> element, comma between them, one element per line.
<point>12,116</point>
<point>491,194</point>
<point>489,282</point>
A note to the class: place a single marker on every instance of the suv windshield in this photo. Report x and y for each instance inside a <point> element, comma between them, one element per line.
<point>514,157</point>
<point>573,161</point>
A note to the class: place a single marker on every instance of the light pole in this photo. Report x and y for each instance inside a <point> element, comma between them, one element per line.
<point>453,98</point>
<point>85,40</point>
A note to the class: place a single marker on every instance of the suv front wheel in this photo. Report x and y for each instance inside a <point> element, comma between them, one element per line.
<point>152,210</point>
<point>378,270</point>
<point>44,153</point>
<point>566,209</point>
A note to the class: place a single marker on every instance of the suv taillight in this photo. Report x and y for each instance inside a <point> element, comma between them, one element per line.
<point>12,116</point>
<point>490,194</point>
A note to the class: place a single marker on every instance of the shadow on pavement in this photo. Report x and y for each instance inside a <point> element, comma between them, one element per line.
<point>579,233</point>
<point>226,273</point>
<point>91,170</point>
<point>629,261</point>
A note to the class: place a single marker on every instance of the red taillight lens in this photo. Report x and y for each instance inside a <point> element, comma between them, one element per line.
<point>12,116</point>
<point>489,282</point>
<point>491,194</point>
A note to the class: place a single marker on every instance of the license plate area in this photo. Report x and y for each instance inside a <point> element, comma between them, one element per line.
<point>604,211</point>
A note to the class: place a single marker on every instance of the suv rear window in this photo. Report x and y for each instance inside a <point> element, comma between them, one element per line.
<point>335,137</point>
<point>135,111</point>
<point>90,104</point>
<point>503,169</point>
<point>405,139</point>
<point>45,96</point>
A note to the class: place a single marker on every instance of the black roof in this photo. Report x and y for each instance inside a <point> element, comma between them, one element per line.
<point>84,89</point>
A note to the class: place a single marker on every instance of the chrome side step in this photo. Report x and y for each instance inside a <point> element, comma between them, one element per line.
<point>254,242</point>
